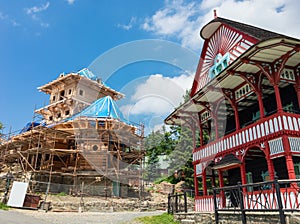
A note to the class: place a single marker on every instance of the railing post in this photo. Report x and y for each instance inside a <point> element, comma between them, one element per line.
<point>185,202</point>
<point>280,206</point>
<point>169,203</point>
<point>241,197</point>
<point>216,206</point>
<point>176,202</point>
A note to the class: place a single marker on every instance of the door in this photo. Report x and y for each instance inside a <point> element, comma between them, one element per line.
<point>116,188</point>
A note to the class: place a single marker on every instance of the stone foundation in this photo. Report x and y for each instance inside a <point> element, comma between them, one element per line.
<point>231,218</point>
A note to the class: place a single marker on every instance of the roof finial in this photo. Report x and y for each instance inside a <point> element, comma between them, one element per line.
<point>215,13</point>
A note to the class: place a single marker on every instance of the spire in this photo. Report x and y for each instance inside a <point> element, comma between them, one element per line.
<point>215,13</point>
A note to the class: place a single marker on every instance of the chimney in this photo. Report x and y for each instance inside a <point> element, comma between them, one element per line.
<point>215,13</point>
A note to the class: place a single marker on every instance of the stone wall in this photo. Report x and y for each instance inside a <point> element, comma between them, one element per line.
<point>230,218</point>
<point>101,204</point>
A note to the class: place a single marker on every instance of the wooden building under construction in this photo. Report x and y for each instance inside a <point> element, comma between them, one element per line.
<point>82,138</point>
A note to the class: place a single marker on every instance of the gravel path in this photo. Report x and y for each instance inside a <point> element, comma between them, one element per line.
<point>17,216</point>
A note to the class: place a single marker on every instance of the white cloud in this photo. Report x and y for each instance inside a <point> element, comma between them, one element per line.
<point>129,25</point>
<point>183,20</point>
<point>70,2</point>
<point>8,19</point>
<point>35,10</point>
<point>158,95</point>
<point>177,19</point>
<point>154,98</point>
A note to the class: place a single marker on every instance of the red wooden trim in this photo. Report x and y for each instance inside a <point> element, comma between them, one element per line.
<point>278,98</point>
<point>199,68</point>
<point>245,36</point>
<point>253,142</point>
<point>196,182</point>
<point>204,186</point>
<point>230,167</point>
<point>204,197</point>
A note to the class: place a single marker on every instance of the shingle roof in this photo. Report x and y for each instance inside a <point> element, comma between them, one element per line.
<point>256,32</point>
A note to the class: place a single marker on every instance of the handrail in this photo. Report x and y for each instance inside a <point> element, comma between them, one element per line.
<point>247,128</point>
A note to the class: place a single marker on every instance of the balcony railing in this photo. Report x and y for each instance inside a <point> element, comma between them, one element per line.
<point>265,128</point>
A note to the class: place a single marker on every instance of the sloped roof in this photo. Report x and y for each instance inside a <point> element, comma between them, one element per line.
<point>102,108</point>
<point>228,160</point>
<point>256,32</point>
<point>87,73</point>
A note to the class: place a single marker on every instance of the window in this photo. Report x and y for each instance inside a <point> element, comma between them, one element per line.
<point>62,94</point>
<point>58,115</point>
<point>81,92</point>
<point>67,112</point>
<point>70,91</point>
<point>53,98</point>
<point>95,147</point>
<point>50,118</point>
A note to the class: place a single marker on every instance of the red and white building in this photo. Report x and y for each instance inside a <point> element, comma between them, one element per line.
<point>245,98</point>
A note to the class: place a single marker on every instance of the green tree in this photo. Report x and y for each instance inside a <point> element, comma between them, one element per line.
<point>152,167</point>
<point>181,158</point>
<point>157,143</point>
<point>153,150</point>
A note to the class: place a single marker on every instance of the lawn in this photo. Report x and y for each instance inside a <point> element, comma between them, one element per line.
<point>157,219</point>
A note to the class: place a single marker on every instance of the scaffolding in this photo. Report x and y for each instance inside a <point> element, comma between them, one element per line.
<point>81,148</point>
<point>69,147</point>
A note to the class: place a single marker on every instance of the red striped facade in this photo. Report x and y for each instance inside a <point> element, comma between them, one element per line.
<point>245,101</point>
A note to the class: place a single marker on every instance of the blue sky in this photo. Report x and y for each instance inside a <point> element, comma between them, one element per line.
<point>42,38</point>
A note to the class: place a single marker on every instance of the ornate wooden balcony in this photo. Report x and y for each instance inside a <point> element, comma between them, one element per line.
<point>267,129</point>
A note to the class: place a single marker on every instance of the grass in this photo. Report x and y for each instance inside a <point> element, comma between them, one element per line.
<point>62,194</point>
<point>157,219</point>
<point>3,206</point>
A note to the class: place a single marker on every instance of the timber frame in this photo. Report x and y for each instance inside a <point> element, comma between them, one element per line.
<point>76,147</point>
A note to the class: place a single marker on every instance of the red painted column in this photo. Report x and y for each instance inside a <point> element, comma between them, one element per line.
<point>204,187</point>
<point>216,127</point>
<point>221,183</point>
<point>278,98</point>
<point>260,104</point>
<point>243,176</point>
<point>290,166</point>
<point>288,158</point>
<point>196,183</point>
<point>243,173</point>
<point>271,168</point>
<point>270,164</point>
<point>236,117</point>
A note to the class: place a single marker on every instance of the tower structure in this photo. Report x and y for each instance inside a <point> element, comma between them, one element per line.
<point>71,93</point>
<point>83,137</point>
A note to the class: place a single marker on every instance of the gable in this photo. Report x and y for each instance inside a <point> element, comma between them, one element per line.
<point>224,46</point>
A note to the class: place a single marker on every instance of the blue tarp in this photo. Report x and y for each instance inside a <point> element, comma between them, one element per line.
<point>29,126</point>
<point>88,74</point>
<point>102,108</point>
<point>85,72</point>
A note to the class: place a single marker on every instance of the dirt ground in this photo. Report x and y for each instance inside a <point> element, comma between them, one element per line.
<point>17,216</point>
